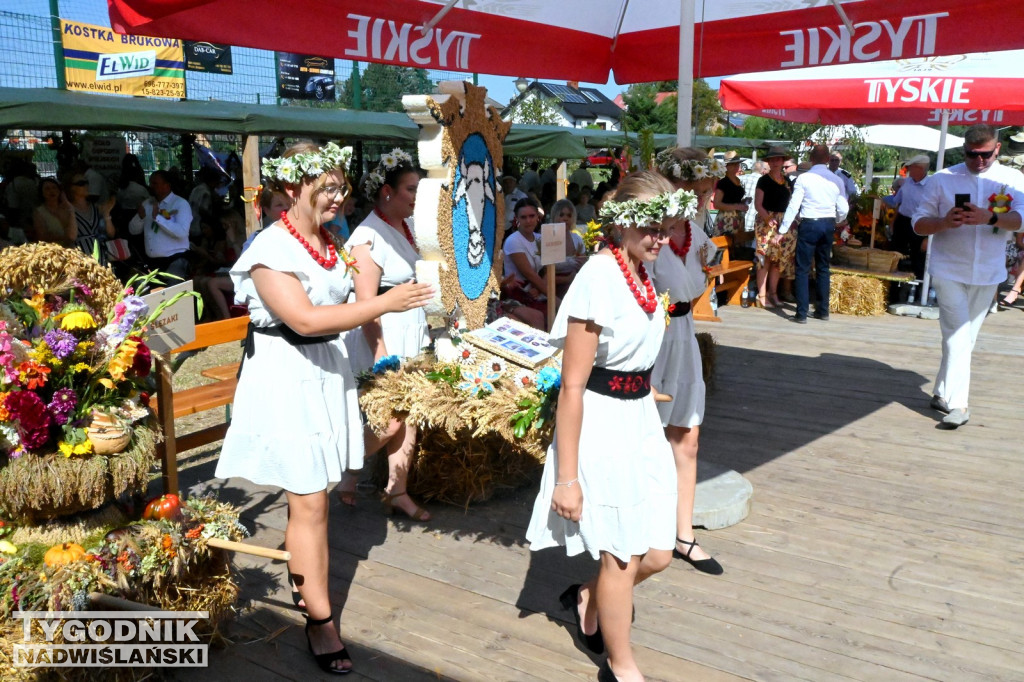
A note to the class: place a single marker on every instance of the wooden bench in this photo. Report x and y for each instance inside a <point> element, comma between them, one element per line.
<point>731,276</point>
<point>170,405</point>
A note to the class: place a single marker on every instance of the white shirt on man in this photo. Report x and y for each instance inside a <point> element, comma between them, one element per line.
<point>909,195</point>
<point>827,173</point>
<point>167,234</point>
<point>815,195</point>
<point>969,254</point>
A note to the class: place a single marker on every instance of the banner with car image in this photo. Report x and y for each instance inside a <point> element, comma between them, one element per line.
<point>301,76</point>
<point>100,61</point>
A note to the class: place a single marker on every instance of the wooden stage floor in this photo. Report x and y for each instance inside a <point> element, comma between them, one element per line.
<point>878,547</point>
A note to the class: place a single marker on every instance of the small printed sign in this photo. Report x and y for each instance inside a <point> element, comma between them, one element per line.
<point>208,57</point>
<point>552,243</point>
<point>176,325</point>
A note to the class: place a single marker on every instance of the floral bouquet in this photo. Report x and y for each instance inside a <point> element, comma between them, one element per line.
<point>62,362</point>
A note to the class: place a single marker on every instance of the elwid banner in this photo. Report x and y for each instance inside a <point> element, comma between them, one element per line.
<point>100,61</point>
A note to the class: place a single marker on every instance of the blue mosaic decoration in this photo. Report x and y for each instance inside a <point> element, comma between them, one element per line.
<point>474,216</point>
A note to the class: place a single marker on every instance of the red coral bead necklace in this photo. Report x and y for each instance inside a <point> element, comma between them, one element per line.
<point>332,254</point>
<point>648,303</point>
<point>405,227</point>
<point>681,251</point>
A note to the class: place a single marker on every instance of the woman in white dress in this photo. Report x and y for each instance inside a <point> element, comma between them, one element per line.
<point>608,486</point>
<point>296,420</point>
<point>384,247</point>
<point>678,372</point>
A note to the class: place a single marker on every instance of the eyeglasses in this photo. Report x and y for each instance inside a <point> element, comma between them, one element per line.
<point>331,191</point>
<point>976,154</point>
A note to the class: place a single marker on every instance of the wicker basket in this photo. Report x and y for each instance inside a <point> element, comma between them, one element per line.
<point>875,260</point>
<point>45,267</point>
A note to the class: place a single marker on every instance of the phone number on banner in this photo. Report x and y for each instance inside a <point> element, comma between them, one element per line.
<point>165,89</point>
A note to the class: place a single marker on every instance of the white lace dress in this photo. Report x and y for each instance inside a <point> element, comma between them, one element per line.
<point>626,470</point>
<point>405,334</point>
<point>295,422</point>
<point>678,370</point>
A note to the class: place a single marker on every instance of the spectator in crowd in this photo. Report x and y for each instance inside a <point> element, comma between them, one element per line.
<point>202,199</point>
<point>771,198</point>
<point>849,186</point>
<point>789,170</point>
<point>21,193</point>
<point>729,199</point>
<point>93,224</point>
<point>99,188</point>
<point>820,203</point>
<point>563,211</point>
<point>523,281</point>
<point>749,181</point>
<point>513,195</point>
<point>217,252</point>
<point>907,198</point>
<point>54,219</point>
<point>550,174</point>
<point>530,182</point>
<point>164,222</point>
<point>581,176</point>
<point>968,257</point>
<point>585,209</point>
<point>131,193</point>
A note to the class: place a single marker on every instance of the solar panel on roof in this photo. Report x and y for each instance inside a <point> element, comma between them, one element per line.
<point>567,94</point>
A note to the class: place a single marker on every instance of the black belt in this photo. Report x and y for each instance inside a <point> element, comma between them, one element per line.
<point>383,290</point>
<point>624,385</point>
<point>679,309</point>
<point>281,331</point>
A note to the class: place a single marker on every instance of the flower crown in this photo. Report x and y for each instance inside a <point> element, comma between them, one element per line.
<point>312,164</point>
<point>641,213</point>
<point>674,169</point>
<point>375,179</point>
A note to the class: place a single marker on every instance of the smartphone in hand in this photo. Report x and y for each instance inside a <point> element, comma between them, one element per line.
<point>961,200</point>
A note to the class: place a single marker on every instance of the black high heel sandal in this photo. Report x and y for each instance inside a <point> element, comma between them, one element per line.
<point>296,595</point>
<point>709,565</point>
<point>324,661</point>
<point>570,599</point>
<point>605,674</point>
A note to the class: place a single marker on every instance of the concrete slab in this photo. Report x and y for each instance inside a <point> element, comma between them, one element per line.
<point>723,497</point>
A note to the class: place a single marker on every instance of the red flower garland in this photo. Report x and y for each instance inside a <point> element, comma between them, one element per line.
<point>681,251</point>
<point>647,303</point>
<point>332,257</point>
<point>405,228</point>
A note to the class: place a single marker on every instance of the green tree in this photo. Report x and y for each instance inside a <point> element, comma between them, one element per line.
<point>643,110</point>
<point>535,110</point>
<point>383,85</point>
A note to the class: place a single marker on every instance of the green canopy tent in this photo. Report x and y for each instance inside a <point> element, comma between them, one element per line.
<point>36,108</point>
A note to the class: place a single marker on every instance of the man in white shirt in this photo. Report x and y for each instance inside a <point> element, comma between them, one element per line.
<point>908,197</point>
<point>164,223</point>
<point>968,256</point>
<point>820,204</point>
<point>582,177</point>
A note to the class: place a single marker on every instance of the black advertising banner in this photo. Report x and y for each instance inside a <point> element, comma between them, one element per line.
<point>208,57</point>
<point>301,76</point>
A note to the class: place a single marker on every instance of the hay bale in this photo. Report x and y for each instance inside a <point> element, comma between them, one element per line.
<point>35,487</point>
<point>854,295</point>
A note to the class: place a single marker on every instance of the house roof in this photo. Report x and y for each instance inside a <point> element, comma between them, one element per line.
<point>575,101</point>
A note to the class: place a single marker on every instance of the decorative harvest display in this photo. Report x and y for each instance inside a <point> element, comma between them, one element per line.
<point>167,563</point>
<point>485,422</point>
<point>674,169</point>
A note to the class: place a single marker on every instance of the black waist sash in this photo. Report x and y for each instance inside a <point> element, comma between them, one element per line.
<point>679,309</point>
<point>383,290</point>
<point>623,385</point>
<point>281,331</point>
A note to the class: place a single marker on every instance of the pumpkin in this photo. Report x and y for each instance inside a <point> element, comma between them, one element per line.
<point>163,507</point>
<point>58,555</point>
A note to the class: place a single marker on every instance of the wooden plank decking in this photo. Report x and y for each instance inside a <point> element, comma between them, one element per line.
<point>878,548</point>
